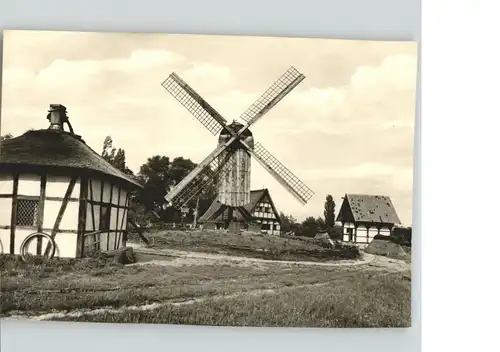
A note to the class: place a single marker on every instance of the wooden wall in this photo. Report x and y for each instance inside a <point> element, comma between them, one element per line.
<point>106,210</point>
<point>38,200</point>
<point>234,186</point>
<point>265,216</point>
<point>363,233</point>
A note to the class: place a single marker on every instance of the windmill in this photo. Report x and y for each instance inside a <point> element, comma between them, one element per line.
<point>229,164</point>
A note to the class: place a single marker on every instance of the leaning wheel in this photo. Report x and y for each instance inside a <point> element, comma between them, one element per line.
<point>36,235</point>
<point>1,247</point>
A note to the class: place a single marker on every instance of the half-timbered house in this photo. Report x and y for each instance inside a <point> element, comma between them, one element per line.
<point>52,182</point>
<point>364,216</point>
<point>259,215</point>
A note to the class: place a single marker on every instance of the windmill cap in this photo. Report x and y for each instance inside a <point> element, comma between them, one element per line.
<point>236,126</point>
<point>56,107</point>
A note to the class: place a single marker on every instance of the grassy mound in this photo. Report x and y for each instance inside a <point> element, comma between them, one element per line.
<point>385,246</point>
<point>253,245</point>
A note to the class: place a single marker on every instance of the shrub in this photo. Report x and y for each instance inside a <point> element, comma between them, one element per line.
<point>346,250</point>
<point>402,236</point>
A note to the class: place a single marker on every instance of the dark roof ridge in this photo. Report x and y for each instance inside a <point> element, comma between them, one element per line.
<point>61,149</point>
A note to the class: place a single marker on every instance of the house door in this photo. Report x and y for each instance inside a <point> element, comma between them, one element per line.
<point>350,234</point>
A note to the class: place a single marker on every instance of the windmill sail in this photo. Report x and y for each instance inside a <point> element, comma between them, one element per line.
<point>194,103</point>
<point>272,96</point>
<point>279,171</point>
<point>207,176</point>
<point>217,164</point>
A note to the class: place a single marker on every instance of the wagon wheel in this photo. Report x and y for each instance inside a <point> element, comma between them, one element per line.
<point>1,247</point>
<point>37,235</point>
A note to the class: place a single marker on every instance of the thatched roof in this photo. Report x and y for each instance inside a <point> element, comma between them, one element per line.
<point>371,208</point>
<point>57,149</point>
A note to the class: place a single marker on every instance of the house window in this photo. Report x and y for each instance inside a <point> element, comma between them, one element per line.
<point>27,212</point>
<point>350,234</point>
<point>105,218</point>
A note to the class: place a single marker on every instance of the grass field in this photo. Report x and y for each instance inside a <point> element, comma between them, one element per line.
<point>198,290</point>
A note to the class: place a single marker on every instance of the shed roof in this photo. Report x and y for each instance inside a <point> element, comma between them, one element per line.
<point>56,148</point>
<point>255,197</point>
<point>372,208</point>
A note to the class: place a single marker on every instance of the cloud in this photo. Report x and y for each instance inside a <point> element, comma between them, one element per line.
<point>348,127</point>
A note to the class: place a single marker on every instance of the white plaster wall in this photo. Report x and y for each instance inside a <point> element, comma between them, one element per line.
<point>361,234</point>
<point>114,195</point>
<point>6,183</point>
<point>95,191</point>
<point>122,219</point>
<point>112,240</point>
<point>5,211</point>
<point>89,225</point>
<point>385,231</point>
<point>50,211</point>
<point>29,185</point>
<point>349,225</point>
<point>89,222</point>
<point>5,238</point>
<point>373,232</point>
<point>106,192</point>
<point>104,241</point>
<point>20,236</point>
<point>58,185</point>
<point>97,216</point>
<point>123,197</point>
<point>65,243</point>
<point>113,218</point>
<point>69,220</point>
<point>120,240</point>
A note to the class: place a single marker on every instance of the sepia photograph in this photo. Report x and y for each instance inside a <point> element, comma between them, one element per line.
<point>206,179</point>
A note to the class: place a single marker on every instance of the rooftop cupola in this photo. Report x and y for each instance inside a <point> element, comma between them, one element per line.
<point>57,117</point>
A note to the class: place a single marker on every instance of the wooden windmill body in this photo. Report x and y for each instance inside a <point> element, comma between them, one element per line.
<point>233,186</point>
<point>229,165</point>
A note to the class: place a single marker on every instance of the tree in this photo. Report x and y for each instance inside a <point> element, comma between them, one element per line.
<point>329,212</point>
<point>154,176</point>
<point>321,225</point>
<point>115,157</point>
<point>5,137</point>
<point>309,227</point>
<point>158,175</point>
<point>287,222</point>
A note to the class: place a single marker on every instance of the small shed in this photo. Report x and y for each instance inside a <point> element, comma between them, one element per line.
<point>259,215</point>
<point>52,182</point>
<point>364,216</point>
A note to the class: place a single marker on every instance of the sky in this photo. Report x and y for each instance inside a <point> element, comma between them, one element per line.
<point>347,128</point>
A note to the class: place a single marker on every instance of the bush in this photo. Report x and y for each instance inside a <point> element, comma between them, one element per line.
<point>346,250</point>
<point>385,238</point>
<point>402,236</point>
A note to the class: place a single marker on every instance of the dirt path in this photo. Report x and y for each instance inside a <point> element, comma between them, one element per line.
<point>174,253</point>
<point>173,257</point>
